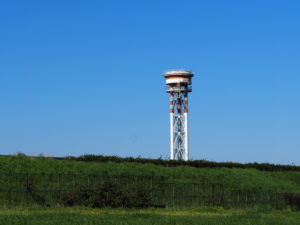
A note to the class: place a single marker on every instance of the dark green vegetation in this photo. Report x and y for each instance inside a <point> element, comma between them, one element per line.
<point>27,181</point>
<point>233,178</point>
<point>192,163</point>
<point>207,216</point>
<point>248,196</point>
<point>107,194</point>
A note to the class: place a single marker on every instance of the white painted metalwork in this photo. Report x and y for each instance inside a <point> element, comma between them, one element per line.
<point>177,80</point>
<point>186,143</point>
<point>172,136</point>
<point>179,85</point>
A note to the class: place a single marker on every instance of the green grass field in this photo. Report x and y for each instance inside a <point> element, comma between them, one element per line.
<point>232,178</point>
<point>205,216</point>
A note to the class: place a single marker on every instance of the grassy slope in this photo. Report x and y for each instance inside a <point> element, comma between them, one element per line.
<point>235,178</point>
<point>211,216</point>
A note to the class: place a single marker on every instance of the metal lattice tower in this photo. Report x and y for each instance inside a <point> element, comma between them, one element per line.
<point>179,85</point>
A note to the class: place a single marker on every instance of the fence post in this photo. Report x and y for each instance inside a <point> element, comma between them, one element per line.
<point>213,194</point>
<point>43,181</point>
<point>59,195</point>
<point>26,191</point>
<point>276,200</point>
<point>151,186</point>
<point>194,196</point>
<point>184,194</point>
<point>222,195</point>
<point>74,181</point>
<point>127,182</point>
<point>9,190</point>
<point>204,199</point>
<point>173,196</point>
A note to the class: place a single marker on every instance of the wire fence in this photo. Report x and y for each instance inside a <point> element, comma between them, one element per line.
<point>24,189</point>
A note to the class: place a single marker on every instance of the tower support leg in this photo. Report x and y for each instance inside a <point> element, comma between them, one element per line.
<point>186,141</point>
<point>172,135</point>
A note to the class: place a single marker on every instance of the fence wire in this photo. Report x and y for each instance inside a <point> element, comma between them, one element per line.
<point>24,189</point>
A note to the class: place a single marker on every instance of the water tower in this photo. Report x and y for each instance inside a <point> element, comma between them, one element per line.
<point>179,85</point>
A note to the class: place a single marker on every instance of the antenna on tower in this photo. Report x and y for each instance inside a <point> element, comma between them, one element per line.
<point>179,85</point>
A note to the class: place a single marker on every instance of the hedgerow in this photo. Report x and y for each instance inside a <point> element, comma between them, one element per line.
<point>192,163</point>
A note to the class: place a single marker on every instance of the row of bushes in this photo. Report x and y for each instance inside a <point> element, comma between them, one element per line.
<point>113,194</point>
<point>107,194</point>
<point>193,163</point>
<point>110,194</point>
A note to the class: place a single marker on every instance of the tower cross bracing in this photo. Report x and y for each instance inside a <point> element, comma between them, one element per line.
<point>178,86</point>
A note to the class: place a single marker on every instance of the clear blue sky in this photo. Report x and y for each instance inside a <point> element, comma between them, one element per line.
<point>85,77</point>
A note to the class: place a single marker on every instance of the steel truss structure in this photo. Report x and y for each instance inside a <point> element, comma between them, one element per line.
<point>179,85</point>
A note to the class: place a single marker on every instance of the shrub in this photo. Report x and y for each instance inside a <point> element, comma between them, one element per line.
<point>292,199</point>
<point>107,194</point>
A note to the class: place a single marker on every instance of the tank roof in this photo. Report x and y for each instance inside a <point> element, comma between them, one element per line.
<point>186,73</point>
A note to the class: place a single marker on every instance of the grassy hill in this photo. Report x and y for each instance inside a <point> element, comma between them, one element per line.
<point>234,178</point>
